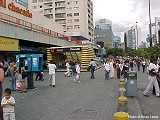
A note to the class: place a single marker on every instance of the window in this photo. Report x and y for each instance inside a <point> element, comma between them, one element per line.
<point>69,15</point>
<point>76,2</point>
<point>76,8</point>
<point>69,27</point>
<point>34,1</point>
<point>76,20</point>
<point>76,26</point>
<point>69,3</point>
<point>34,7</point>
<point>69,9</point>
<point>40,6</point>
<point>76,14</point>
<point>40,0</point>
<point>69,21</point>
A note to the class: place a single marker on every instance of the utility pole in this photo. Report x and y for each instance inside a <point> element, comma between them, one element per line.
<point>150,25</point>
<point>137,36</point>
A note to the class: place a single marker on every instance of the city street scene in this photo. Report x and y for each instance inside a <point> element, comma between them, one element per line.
<point>79,60</point>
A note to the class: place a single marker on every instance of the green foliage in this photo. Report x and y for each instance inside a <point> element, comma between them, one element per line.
<point>141,52</point>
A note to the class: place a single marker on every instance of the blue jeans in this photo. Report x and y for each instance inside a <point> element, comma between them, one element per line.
<point>13,82</point>
<point>106,75</point>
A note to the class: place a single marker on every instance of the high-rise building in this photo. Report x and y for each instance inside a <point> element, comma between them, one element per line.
<point>76,16</point>
<point>134,37</point>
<point>103,24</point>
<point>103,34</point>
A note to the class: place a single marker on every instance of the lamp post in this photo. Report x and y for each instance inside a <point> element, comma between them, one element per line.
<point>150,25</point>
<point>137,36</point>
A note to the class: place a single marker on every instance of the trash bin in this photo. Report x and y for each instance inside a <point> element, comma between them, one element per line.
<point>131,84</point>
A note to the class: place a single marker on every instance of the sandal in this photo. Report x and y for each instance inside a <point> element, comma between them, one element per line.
<point>21,92</point>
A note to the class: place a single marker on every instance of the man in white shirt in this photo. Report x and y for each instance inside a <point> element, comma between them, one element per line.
<point>68,69</point>
<point>152,79</point>
<point>52,73</point>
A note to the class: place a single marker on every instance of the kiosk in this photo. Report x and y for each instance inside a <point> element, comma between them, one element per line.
<point>32,63</point>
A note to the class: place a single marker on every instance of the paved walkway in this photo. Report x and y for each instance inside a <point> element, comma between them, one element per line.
<point>92,99</point>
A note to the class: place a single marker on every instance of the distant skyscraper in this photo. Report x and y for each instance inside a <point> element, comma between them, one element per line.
<point>134,37</point>
<point>76,16</point>
<point>103,34</point>
<point>103,24</point>
<point>117,41</point>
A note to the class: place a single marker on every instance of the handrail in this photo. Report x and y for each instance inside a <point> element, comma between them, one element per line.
<point>34,27</point>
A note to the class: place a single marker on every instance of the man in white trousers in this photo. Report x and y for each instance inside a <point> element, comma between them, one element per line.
<point>52,73</point>
<point>152,79</point>
<point>68,69</point>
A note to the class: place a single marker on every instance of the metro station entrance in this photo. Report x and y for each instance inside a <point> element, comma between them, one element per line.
<point>83,54</point>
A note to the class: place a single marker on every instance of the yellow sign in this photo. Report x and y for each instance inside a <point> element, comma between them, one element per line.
<point>107,43</point>
<point>8,44</point>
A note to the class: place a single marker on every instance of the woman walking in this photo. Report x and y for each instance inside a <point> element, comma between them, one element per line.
<point>107,69</point>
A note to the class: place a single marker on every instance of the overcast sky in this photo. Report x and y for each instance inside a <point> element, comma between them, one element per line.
<point>125,13</point>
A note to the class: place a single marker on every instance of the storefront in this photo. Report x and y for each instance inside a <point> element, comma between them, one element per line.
<point>83,54</point>
<point>8,48</point>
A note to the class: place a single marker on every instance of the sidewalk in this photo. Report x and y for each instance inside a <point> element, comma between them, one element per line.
<point>91,99</point>
<point>147,108</point>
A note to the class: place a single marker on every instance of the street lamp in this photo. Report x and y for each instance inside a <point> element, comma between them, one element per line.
<point>150,25</point>
<point>137,36</point>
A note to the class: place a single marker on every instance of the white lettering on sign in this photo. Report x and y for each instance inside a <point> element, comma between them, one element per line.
<point>74,49</point>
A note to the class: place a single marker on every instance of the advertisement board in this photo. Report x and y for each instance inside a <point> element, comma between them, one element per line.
<point>9,44</point>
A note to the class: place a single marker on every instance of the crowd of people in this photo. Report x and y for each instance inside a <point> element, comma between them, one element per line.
<point>112,66</point>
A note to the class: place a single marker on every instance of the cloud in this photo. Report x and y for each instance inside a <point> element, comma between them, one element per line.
<point>125,13</point>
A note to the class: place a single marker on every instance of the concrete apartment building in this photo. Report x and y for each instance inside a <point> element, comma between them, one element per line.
<point>76,16</point>
<point>103,33</point>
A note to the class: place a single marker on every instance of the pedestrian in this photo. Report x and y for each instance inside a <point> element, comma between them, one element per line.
<point>131,64</point>
<point>152,80</point>
<point>73,63</point>
<point>125,69</point>
<point>13,70</point>
<point>118,69</point>
<point>143,65</point>
<point>39,75</point>
<point>5,67</point>
<point>111,74</point>
<point>52,73</point>
<point>107,69</point>
<point>8,104</point>
<point>77,67</point>
<point>22,78</point>
<point>68,69</point>
<point>1,89</point>
<point>92,65</point>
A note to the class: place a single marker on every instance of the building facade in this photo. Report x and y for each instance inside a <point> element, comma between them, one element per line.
<point>117,41</point>
<point>103,24</point>
<point>133,37</point>
<point>25,31</point>
<point>76,16</point>
<point>103,34</point>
